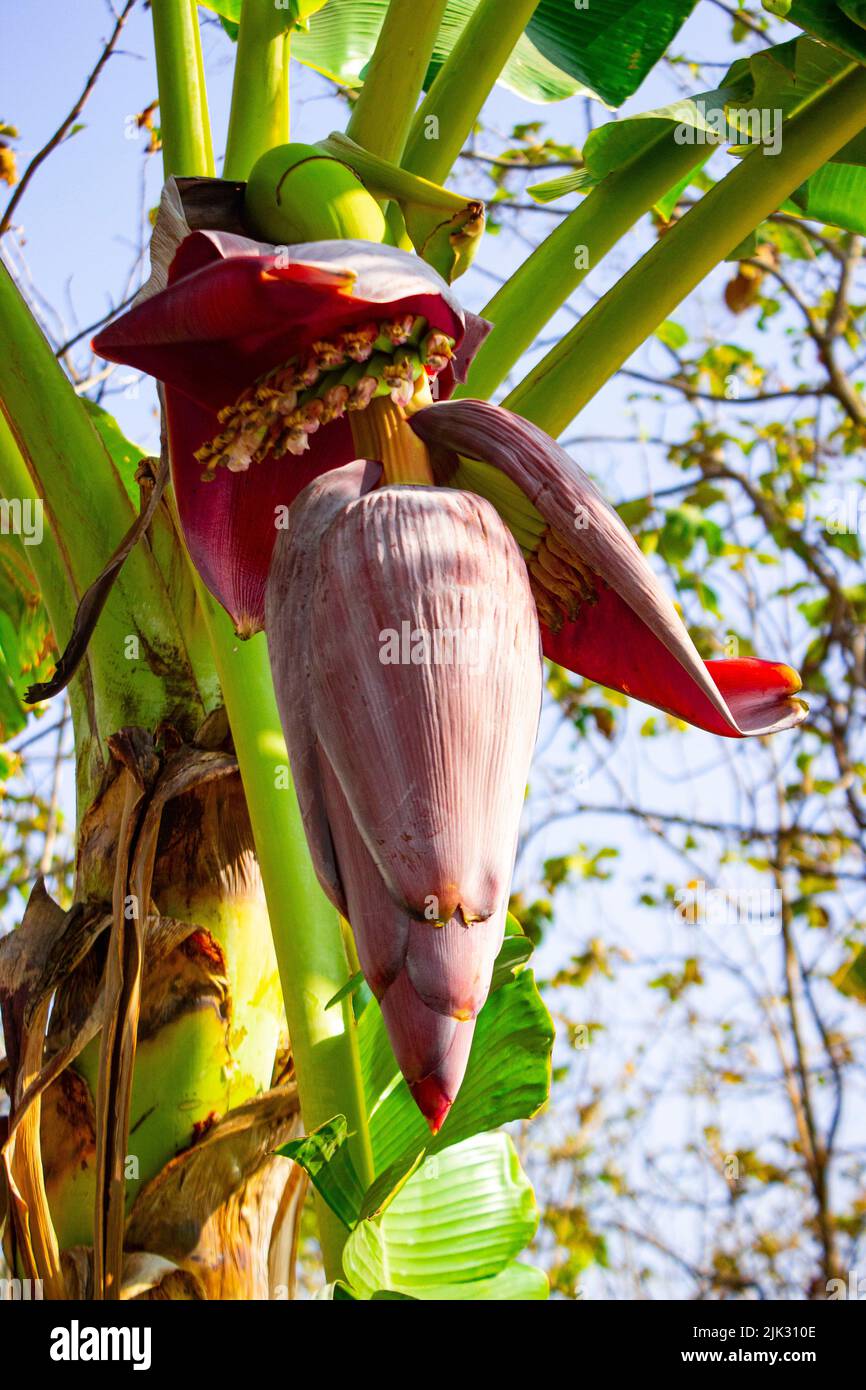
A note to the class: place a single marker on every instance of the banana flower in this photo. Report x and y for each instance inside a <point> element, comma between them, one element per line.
<point>405,624</point>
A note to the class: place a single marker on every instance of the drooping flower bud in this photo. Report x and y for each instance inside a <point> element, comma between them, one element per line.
<point>405,650</point>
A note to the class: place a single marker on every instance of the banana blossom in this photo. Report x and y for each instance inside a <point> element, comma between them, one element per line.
<point>405,624</point>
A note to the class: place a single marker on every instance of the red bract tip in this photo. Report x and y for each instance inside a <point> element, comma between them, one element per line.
<point>431,1049</point>
<point>432,1101</point>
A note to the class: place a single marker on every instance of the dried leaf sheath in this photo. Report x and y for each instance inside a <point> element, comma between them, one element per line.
<point>209,1020</point>
<point>25,961</point>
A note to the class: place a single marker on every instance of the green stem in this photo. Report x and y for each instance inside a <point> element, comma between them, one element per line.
<point>560,385</point>
<point>543,283</point>
<point>207,138</point>
<point>462,86</point>
<point>183,114</point>
<point>306,928</point>
<point>385,179</point>
<point>383,112</point>
<point>259,117</point>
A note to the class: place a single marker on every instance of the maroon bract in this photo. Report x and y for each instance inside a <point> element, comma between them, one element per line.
<point>604,612</point>
<point>259,347</point>
<point>406,656</point>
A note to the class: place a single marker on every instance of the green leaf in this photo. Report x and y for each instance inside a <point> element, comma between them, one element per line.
<point>324,1155</point>
<point>12,715</point>
<point>341,1293</point>
<point>453,1230</point>
<point>125,455</point>
<point>610,146</point>
<point>600,50</point>
<point>788,75</point>
<point>341,39</point>
<point>353,984</point>
<point>783,78</point>
<point>508,1078</point>
<point>694,120</point>
<point>746,249</point>
<point>226,9</point>
<point>786,78</point>
<point>27,651</point>
<point>835,195</point>
<point>855,10</point>
<point>515,951</point>
<point>581,181</point>
<point>826,21</point>
<point>298,12</point>
<point>381,1193</point>
<point>609,47</point>
<point>672,334</point>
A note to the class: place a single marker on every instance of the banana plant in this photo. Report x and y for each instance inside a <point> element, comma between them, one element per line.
<point>298,800</point>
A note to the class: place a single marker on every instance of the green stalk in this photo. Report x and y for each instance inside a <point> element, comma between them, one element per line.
<point>543,283</point>
<point>259,117</point>
<point>183,113</point>
<point>383,112</point>
<point>443,227</point>
<point>384,179</point>
<point>207,138</point>
<point>306,928</point>
<point>462,86</point>
<point>560,385</point>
